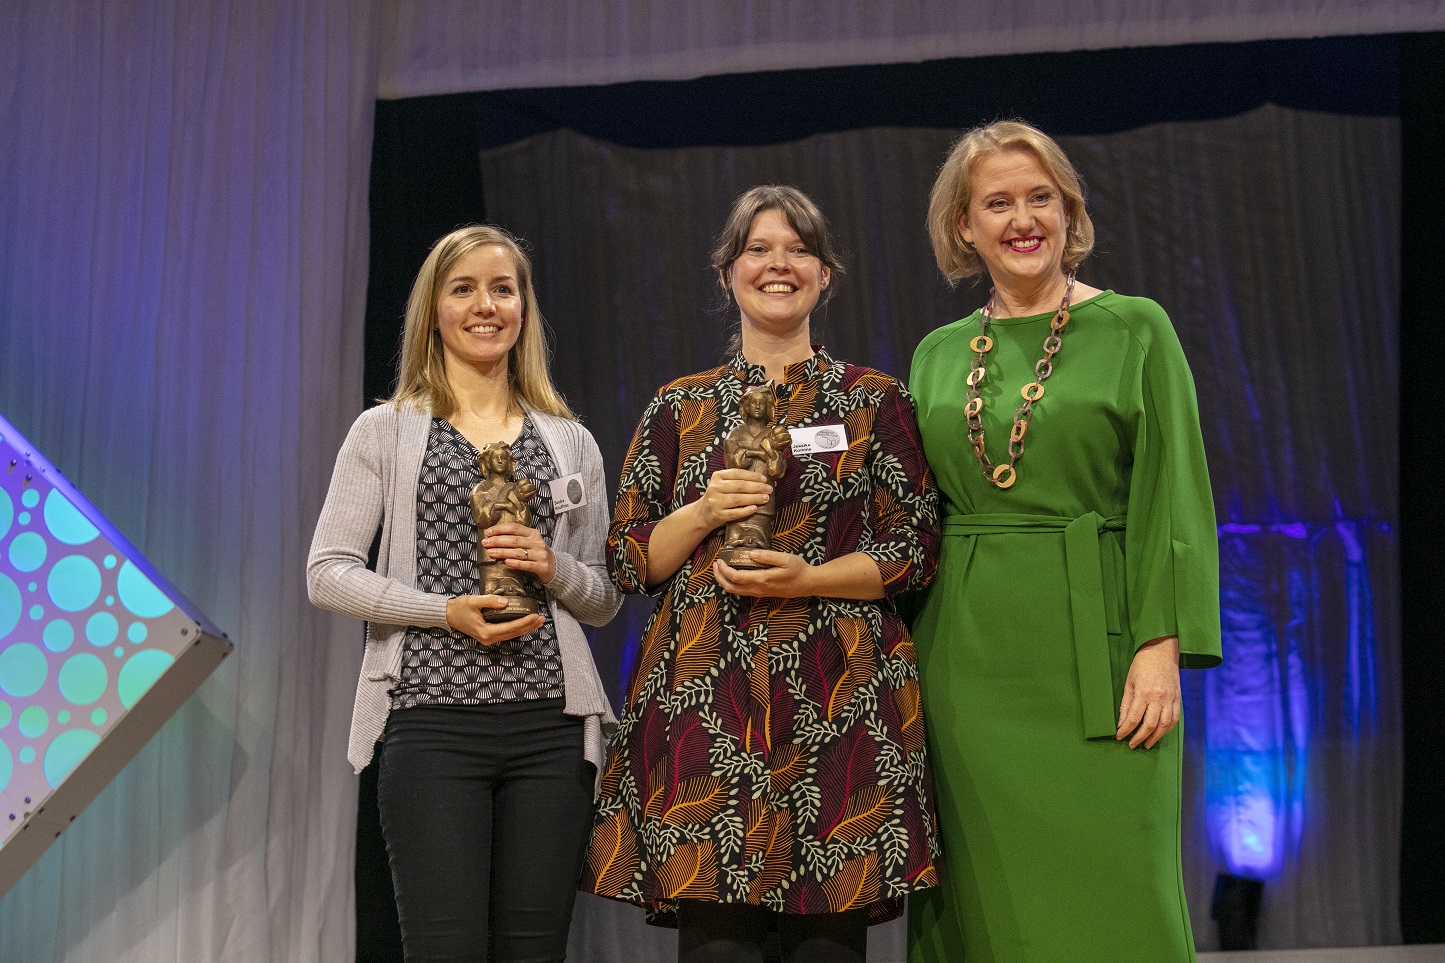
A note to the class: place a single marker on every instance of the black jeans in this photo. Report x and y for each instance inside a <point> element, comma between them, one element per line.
<point>737,933</point>
<point>486,811</point>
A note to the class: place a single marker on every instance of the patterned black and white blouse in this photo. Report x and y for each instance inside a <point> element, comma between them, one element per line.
<point>443,667</point>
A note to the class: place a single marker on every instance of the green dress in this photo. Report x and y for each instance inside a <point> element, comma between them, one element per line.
<point>1060,845</point>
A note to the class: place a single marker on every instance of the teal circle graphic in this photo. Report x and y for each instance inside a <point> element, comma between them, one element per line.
<point>63,716</point>
<point>26,754</point>
<point>139,594</point>
<point>34,720</point>
<point>65,521</point>
<point>37,612</point>
<point>9,605</point>
<point>27,551</point>
<point>83,678</point>
<point>110,600</point>
<point>137,632</point>
<point>7,512</point>
<point>65,754</point>
<point>101,629</point>
<point>98,717</point>
<point>4,714</point>
<point>32,586</point>
<point>24,518</point>
<point>22,670</point>
<point>30,498</point>
<point>120,651</point>
<point>108,561</point>
<point>58,635</point>
<point>139,673</point>
<point>74,583</point>
<point>7,766</point>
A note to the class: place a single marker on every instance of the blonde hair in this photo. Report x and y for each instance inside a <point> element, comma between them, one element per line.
<point>948,203</point>
<point>421,373</point>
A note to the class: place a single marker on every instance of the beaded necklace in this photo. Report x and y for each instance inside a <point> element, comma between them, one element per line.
<point>1004,475</point>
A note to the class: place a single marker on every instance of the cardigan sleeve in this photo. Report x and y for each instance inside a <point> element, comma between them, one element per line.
<point>337,577</point>
<point>581,582</point>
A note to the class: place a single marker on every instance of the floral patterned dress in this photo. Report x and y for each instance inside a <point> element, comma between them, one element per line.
<point>770,751</point>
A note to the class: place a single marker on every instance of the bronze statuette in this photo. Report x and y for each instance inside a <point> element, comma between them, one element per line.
<point>495,499</point>
<point>755,445</point>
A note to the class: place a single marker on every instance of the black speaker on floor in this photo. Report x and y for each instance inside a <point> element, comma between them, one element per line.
<point>1235,909</point>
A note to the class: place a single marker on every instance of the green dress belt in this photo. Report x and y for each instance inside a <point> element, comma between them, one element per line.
<point>1083,560</point>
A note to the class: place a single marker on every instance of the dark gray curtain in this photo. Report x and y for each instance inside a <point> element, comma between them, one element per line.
<point>1271,238</point>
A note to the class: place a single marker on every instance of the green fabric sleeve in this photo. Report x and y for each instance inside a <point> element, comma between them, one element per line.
<point>1171,545</point>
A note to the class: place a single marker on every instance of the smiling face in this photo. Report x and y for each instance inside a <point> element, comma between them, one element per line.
<point>479,308</point>
<point>776,280</point>
<point>1016,220</point>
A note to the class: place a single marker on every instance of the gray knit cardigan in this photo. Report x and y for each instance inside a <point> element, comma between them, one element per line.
<point>374,484</point>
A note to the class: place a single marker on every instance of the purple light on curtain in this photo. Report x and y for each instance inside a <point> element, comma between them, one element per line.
<point>1256,704</point>
<point>1361,705</point>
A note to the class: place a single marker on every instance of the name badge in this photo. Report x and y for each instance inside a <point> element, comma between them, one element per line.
<point>818,438</point>
<point>567,493</point>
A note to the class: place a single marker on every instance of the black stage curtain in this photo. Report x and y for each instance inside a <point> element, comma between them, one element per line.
<point>1253,189</point>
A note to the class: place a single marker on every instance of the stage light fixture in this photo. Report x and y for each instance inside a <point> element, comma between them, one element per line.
<point>97,650</point>
<point>1235,909</point>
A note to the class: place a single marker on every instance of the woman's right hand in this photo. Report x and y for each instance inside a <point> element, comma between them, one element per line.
<point>465,615</point>
<point>731,494</point>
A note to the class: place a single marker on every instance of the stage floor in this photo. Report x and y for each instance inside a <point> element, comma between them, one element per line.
<point>1362,954</point>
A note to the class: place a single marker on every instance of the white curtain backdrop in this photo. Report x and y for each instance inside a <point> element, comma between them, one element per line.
<point>183,256</point>
<point>183,263</point>
<point>450,46</point>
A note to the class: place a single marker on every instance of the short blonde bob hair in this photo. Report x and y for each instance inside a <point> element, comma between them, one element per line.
<point>421,377</point>
<point>957,258</point>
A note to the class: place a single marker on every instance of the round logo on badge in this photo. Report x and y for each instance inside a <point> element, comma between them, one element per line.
<point>827,438</point>
<point>574,491</point>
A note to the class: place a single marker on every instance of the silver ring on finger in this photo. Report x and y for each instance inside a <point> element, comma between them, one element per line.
<point>526,554</point>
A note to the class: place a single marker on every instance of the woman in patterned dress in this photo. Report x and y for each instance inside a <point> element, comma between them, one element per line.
<point>769,764</point>
<point>490,730</point>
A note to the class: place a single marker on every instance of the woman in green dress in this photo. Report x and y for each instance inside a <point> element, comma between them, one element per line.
<point>1079,572</point>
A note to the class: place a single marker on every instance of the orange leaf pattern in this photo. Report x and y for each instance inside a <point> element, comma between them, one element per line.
<point>696,425</point>
<point>655,643</point>
<point>771,750</point>
<point>690,872</point>
<point>612,857</point>
<point>793,527</point>
<point>855,885</point>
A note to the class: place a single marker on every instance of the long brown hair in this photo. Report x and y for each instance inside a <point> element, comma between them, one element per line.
<point>421,373</point>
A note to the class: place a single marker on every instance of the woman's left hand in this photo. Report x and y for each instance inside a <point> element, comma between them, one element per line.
<point>1151,695</point>
<point>786,576</point>
<point>521,548</point>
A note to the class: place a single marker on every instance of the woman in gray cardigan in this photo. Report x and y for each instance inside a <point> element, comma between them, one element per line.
<point>489,731</point>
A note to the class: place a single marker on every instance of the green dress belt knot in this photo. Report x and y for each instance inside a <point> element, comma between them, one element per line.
<point>1090,597</point>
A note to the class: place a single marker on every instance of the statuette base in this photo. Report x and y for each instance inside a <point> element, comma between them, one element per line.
<point>739,558</point>
<point>517,608</point>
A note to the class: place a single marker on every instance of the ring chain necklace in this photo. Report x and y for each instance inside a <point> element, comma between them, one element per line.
<point>1004,475</point>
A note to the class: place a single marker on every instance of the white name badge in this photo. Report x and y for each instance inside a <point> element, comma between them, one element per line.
<point>567,493</point>
<point>818,438</point>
